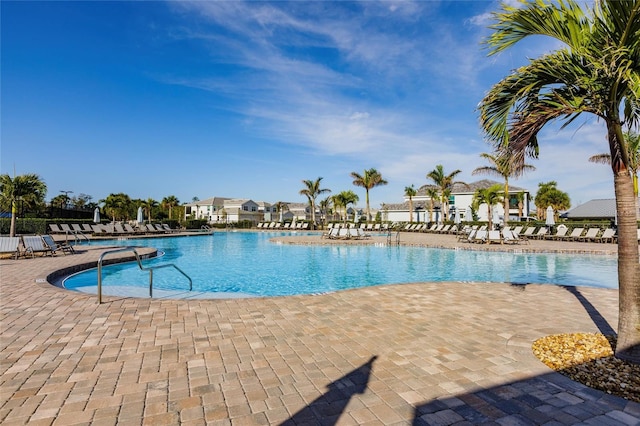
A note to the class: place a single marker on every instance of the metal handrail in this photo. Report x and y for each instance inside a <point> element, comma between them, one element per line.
<point>150,269</point>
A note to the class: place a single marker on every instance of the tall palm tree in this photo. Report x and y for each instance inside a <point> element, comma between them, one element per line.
<point>444,182</point>
<point>432,193</point>
<point>633,151</point>
<point>503,165</point>
<point>311,191</point>
<point>169,202</point>
<point>489,196</point>
<point>520,196</point>
<point>149,205</point>
<point>28,189</point>
<point>325,206</point>
<point>410,192</point>
<point>370,179</point>
<point>596,70</point>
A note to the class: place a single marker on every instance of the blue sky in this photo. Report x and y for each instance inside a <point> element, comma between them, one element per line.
<point>247,99</point>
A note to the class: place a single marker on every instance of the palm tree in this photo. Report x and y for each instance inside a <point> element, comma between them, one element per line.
<point>410,192</point>
<point>520,199</point>
<point>28,189</point>
<point>504,166</point>
<point>633,151</point>
<point>148,205</point>
<point>370,179</point>
<point>595,71</point>
<point>170,202</point>
<point>444,182</point>
<point>325,206</point>
<point>432,193</point>
<point>117,206</point>
<point>489,196</point>
<point>549,195</point>
<point>311,191</point>
<point>343,199</point>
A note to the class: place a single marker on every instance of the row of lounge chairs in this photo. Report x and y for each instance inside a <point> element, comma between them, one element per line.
<point>30,245</point>
<point>111,229</point>
<point>483,236</point>
<point>287,225</point>
<point>339,233</point>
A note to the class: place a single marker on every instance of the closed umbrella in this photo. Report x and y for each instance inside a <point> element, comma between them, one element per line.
<point>550,219</point>
<point>468,215</point>
<point>456,218</point>
<point>496,217</point>
<point>140,217</point>
<point>96,215</point>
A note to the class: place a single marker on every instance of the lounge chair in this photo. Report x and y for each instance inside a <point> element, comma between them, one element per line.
<point>35,244</point>
<point>129,229</point>
<point>590,235</point>
<point>561,232</point>
<point>55,229</point>
<point>65,228</point>
<point>608,236</point>
<point>480,236</point>
<point>509,237</point>
<point>541,233</point>
<point>376,227</point>
<point>517,230</point>
<point>86,228</point>
<point>97,230</point>
<point>54,247</point>
<point>529,232</point>
<point>575,234</point>
<point>494,237</point>
<point>10,245</point>
<point>76,228</point>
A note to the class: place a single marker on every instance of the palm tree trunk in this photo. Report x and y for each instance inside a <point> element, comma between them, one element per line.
<point>14,213</point>
<point>368,209</point>
<point>628,346</point>
<point>506,202</point>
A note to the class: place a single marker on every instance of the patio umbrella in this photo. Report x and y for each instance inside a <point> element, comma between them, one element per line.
<point>456,218</point>
<point>468,215</point>
<point>550,220</point>
<point>496,217</point>
<point>96,215</point>
<point>140,217</point>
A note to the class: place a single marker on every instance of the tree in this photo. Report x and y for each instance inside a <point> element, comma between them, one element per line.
<point>444,182</point>
<point>432,193</point>
<point>169,203</point>
<point>596,70</point>
<point>370,179</point>
<point>149,205</point>
<point>410,192</point>
<point>549,195</point>
<point>489,196</point>
<point>81,201</point>
<point>633,151</point>
<point>28,189</point>
<point>325,206</point>
<point>505,166</point>
<point>311,191</point>
<point>118,206</point>
<point>520,197</point>
<point>343,199</point>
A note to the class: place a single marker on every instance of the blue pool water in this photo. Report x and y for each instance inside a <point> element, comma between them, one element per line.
<point>246,263</point>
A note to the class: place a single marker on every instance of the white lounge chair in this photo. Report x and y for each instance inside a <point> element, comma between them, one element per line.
<point>591,235</point>
<point>494,237</point>
<point>575,234</point>
<point>10,245</point>
<point>509,237</point>
<point>608,236</point>
<point>35,244</point>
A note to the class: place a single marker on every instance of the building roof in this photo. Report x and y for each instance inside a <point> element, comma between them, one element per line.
<point>594,209</point>
<point>417,205</point>
<point>213,201</point>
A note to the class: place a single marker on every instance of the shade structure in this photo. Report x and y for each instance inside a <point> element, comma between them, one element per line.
<point>456,217</point>
<point>550,219</point>
<point>139,217</point>
<point>96,215</point>
<point>468,215</point>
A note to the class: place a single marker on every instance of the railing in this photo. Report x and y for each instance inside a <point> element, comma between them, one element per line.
<point>166,265</point>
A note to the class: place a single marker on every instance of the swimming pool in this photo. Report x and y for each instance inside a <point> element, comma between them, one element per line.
<point>247,264</point>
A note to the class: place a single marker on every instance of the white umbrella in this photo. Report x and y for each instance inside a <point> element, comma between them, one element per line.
<point>496,217</point>
<point>468,215</point>
<point>96,215</point>
<point>140,217</point>
<point>456,218</point>
<point>550,220</point>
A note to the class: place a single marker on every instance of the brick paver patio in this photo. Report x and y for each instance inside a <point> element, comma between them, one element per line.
<point>423,353</point>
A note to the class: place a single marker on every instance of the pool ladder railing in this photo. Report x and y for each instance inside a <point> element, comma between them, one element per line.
<point>150,269</point>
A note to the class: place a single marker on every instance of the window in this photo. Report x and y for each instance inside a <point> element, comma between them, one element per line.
<point>452,200</point>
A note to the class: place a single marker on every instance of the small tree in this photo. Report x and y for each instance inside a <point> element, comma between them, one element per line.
<point>410,192</point>
<point>489,196</point>
<point>28,189</point>
<point>311,191</point>
<point>370,179</point>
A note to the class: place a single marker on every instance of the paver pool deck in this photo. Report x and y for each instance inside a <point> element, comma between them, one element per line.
<point>423,353</point>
